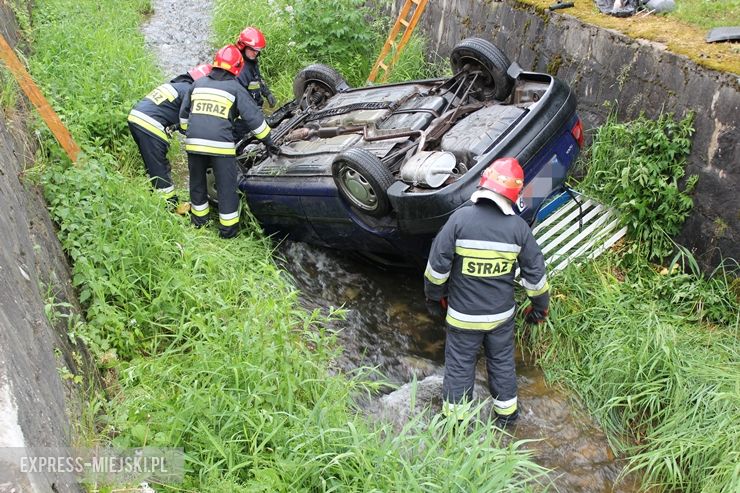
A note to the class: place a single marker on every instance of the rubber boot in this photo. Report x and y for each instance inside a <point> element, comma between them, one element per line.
<point>504,422</point>
<point>199,221</point>
<point>228,231</point>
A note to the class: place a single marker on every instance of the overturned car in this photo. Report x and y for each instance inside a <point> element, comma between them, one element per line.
<point>379,169</point>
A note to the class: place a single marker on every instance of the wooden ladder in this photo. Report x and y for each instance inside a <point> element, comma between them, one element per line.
<point>407,19</point>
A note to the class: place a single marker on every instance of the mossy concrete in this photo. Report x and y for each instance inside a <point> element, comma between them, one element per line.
<point>610,71</point>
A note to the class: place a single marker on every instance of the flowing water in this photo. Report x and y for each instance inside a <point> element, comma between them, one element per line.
<point>386,324</point>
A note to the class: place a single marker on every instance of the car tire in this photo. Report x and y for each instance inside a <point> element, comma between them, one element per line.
<point>498,84</point>
<point>362,180</point>
<point>315,84</point>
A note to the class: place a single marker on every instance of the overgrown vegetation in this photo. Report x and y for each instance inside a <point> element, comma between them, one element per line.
<point>708,13</point>
<point>637,168</point>
<point>202,342</point>
<point>651,351</point>
<point>344,34</point>
<point>204,345</point>
<point>654,355</point>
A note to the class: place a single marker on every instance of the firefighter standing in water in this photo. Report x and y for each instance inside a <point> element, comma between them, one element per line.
<point>207,115</point>
<point>470,280</point>
<point>152,120</point>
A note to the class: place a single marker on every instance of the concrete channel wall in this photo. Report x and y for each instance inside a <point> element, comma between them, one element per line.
<point>33,269</point>
<point>609,70</point>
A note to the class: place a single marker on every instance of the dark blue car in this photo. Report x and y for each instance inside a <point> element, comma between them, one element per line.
<point>379,169</point>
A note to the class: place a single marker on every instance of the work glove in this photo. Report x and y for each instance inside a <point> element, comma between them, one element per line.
<point>532,316</point>
<point>271,101</point>
<point>272,148</point>
<point>437,309</point>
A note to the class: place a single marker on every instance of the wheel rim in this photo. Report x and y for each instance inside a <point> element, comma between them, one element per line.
<point>485,81</point>
<point>358,189</point>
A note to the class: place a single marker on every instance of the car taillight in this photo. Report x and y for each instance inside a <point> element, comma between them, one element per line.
<point>577,132</point>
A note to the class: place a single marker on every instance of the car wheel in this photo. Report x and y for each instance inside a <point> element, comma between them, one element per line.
<point>362,179</point>
<point>315,84</point>
<point>479,54</point>
<point>211,187</point>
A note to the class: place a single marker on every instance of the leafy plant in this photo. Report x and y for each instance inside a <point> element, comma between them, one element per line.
<point>637,167</point>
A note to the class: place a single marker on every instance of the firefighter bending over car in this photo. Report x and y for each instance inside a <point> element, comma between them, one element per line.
<point>151,122</point>
<point>207,116</point>
<point>469,279</point>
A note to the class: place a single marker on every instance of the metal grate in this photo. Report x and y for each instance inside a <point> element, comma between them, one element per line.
<point>576,227</point>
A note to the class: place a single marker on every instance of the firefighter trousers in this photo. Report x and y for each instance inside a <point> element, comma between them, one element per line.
<point>461,354</point>
<point>154,153</point>
<point>224,170</point>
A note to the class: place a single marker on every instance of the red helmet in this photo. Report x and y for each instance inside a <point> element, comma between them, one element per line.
<point>505,177</point>
<point>251,37</point>
<point>229,58</point>
<point>200,71</point>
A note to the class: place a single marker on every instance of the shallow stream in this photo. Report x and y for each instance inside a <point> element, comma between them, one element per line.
<point>386,324</point>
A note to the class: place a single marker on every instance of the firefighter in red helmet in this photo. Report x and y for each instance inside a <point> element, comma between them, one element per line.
<point>251,42</point>
<point>469,280</point>
<point>207,115</point>
<point>151,122</point>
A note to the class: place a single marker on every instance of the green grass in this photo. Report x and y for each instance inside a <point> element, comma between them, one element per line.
<point>91,60</point>
<point>655,358</point>
<point>202,342</point>
<point>204,346</point>
<point>652,352</point>
<point>301,33</point>
<point>9,90</point>
<point>708,14</point>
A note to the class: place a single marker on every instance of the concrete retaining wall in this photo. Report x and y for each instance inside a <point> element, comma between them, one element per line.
<point>33,269</point>
<point>607,68</point>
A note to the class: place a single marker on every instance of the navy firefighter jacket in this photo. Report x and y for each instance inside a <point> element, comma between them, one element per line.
<point>473,261</point>
<point>209,110</point>
<point>159,109</point>
<point>251,79</point>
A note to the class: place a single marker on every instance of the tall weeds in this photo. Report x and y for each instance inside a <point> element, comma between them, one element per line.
<point>202,341</point>
<point>653,352</point>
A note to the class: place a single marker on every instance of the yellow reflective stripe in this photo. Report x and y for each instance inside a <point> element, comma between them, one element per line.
<point>148,126</point>
<point>477,322</point>
<point>472,252</point>
<point>213,92</point>
<point>201,212</point>
<point>505,408</point>
<point>228,222</point>
<point>213,98</point>
<point>262,131</point>
<point>210,150</point>
<point>482,267</point>
<point>168,88</point>
<point>435,277</point>
<point>229,219</point>
<point>166,192</point>
<point>472,325</point>
<point>536,292</point>
<point>253,85</point>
